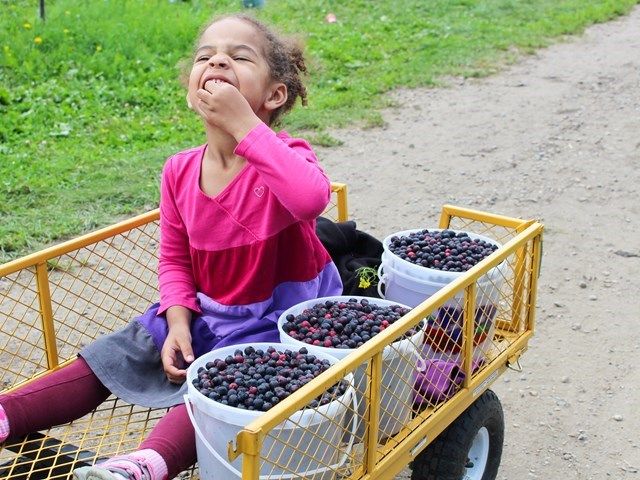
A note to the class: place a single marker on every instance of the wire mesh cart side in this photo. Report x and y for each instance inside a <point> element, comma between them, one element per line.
<point>417,392</point>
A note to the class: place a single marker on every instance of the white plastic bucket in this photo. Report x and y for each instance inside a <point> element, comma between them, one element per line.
<point>419,272</point>
<point>396,396</point>
<point>412,284</point>
<point>319,432</point>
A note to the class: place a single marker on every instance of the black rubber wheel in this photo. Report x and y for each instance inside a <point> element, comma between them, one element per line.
<point>469,449</point>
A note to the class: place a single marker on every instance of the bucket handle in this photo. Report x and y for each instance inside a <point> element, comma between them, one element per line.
<point>381,280</point>
<point>228,466</point>
<point>232,469</point>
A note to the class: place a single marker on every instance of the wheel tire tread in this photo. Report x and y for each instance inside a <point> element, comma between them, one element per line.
<point>443,458</point>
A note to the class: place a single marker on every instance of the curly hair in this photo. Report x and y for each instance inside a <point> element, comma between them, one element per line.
<point>285,58</point>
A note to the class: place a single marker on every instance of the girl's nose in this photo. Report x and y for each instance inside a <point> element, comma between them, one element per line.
<point>219,60</point>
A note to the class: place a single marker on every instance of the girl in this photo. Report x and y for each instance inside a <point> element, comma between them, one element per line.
<point>237,247</point>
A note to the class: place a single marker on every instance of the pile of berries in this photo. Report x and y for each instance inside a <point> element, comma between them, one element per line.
<point>444,250</point>
<point>342,324</point>
<point>256,379</point>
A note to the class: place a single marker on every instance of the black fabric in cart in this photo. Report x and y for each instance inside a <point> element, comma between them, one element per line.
<point>357,255</point>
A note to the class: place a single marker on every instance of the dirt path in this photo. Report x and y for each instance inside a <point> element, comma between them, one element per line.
<point>555,137</point>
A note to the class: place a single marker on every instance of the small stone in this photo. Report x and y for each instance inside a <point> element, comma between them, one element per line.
<point>567,456</point>
<point>593,298</point>
<point>582,285</point>
<point>565,379</point>
<point>576,327</point>
<point>558,304</point>
<point>582,436</point>
<point>617,417</point>
<point>533,393</point>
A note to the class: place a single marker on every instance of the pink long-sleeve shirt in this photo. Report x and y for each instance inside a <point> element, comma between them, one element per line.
<point>255,235</point>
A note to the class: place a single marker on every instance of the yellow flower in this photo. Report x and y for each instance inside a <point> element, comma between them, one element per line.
<point>37,40</point>
<point>98,48</point>
<point>6,48</point>
<point>27,25</point>
<point>66,31</point>
<point>368,277</point>
<point>67,13</point>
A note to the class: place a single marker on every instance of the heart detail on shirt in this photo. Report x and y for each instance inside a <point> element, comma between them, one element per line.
<point>259,191</point>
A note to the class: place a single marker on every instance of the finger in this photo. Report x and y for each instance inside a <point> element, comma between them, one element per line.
<point>176,375</point>
<point>210,85</point>
<point>169,362</point>
<point>203,95</point>
<point>173,373</point>
<point>187,350</point>
<point>204,110</point>
<point>179,376</point>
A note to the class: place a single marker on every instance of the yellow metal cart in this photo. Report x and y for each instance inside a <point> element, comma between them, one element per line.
<point>55,301</point>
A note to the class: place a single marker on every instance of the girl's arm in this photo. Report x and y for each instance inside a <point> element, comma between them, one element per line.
<point>290,169</point>
<point>177,351</point>
<point>177,285</point>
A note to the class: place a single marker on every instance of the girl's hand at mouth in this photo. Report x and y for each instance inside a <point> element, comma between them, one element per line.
<point>221,105</point>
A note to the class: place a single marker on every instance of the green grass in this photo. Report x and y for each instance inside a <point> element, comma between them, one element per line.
<point>89,114</point>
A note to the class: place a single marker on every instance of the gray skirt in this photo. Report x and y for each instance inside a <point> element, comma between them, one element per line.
<point>128,363</point>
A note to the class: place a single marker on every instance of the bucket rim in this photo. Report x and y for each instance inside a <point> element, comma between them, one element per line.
<point>436,273</point>
<point>341,353</point>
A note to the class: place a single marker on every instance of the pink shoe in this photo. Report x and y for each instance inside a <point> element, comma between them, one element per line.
<point>125,467</point>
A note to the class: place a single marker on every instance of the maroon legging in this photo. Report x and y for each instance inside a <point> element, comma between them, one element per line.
<point>72,392</point>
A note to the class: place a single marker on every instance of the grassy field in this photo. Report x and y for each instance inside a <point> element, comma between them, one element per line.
<point>91,105</point>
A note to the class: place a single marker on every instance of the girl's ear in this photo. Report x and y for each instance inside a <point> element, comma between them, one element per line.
<point>277,98</point>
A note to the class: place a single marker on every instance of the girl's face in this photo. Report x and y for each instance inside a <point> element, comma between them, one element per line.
<point>231,51</point>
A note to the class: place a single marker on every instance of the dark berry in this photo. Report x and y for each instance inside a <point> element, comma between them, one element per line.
<point>444,250</point>
<point>351,323</point>
<point>234,381</point>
